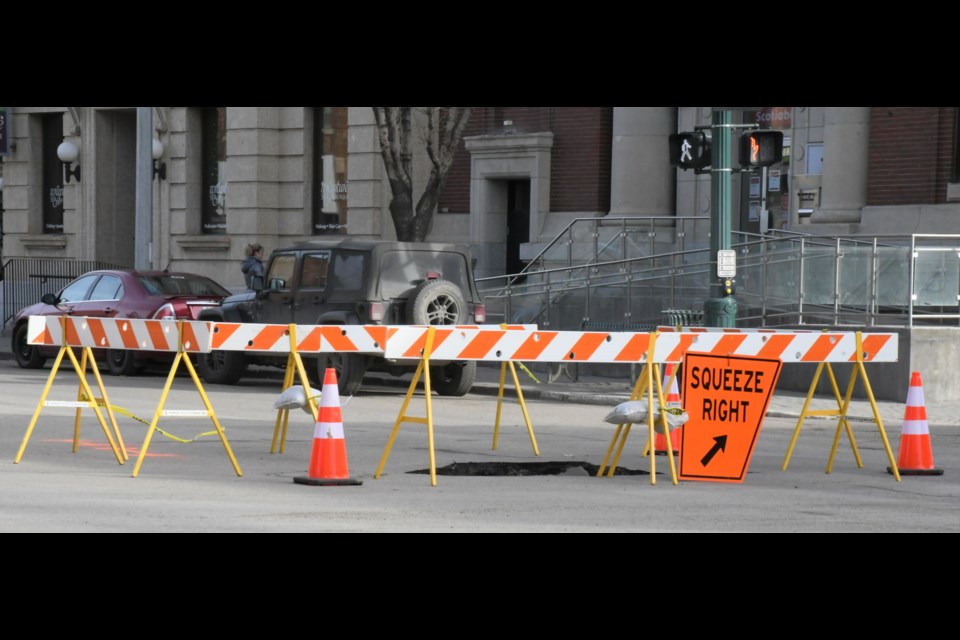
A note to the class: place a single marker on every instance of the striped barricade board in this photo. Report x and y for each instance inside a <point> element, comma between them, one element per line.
<point>613,347</point>
<point>275,338</point>
<point>118,333</point>
<point>786,345</point>
<point>346,338</point>
<point>524,345</point>
<point>672,329</point>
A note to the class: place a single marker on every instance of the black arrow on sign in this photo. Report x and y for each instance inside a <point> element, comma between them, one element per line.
<point>721,445</point>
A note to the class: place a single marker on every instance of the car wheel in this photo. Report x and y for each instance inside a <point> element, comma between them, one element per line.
<point>349,368</point>
<point>454,379</point>
<point>221,367</point>
<point>121,363</point>
<point>28,356</point>
<point>436,302</point>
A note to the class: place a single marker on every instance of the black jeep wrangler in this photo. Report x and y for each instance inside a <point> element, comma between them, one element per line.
<point>356,282</point>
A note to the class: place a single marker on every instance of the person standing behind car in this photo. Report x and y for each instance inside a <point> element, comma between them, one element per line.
<point>252,265</point>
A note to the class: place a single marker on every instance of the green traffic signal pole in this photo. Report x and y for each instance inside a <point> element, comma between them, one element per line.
<point>718,310</point>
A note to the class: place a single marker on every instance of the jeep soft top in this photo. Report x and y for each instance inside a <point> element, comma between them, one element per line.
<point>346,281</point>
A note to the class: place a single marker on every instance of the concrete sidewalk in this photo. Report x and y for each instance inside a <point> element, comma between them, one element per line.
<point>786,404</point>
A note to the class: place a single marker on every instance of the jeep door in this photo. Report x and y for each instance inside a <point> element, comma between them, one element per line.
<point>277,299</point>
<point>311,296</point>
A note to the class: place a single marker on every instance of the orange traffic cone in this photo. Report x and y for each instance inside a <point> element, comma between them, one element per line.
<point>673,400</point>
<point>328,460</point>
<point>916,454</point>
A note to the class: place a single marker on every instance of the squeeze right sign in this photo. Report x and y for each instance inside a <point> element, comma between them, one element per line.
<point>726,399</point>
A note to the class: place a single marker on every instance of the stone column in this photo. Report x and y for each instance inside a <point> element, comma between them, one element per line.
<point>642,182</point>
<point>844,180</point>
<point>369,194</point>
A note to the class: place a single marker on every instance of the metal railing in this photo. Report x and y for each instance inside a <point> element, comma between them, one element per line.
<point>788,278</point>
<point>26,279</point>
<point>591,240</point>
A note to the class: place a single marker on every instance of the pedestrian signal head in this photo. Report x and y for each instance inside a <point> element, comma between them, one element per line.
<point>690,150</point>
<point>761,148</point>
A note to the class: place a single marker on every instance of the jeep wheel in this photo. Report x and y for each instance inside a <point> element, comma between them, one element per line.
<point>28,356</point>
<point>221,367</point>
<point>436,302</point>
<point>121,363</point>
<point>454,379</point>
<point>349,367</point>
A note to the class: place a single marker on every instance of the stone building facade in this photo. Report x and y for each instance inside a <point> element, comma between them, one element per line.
<point>276,175</point>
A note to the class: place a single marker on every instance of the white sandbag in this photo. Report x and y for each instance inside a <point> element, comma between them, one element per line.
<point>675,418</point>
<point>635,412</point>
<point>295,397</point>
<point>631,411</point>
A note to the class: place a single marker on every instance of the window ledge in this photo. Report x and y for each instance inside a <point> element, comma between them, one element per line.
<point>204,243</point>
<point>45,242</point>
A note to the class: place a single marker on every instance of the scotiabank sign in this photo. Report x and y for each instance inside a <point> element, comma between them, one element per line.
<point>775,117</point>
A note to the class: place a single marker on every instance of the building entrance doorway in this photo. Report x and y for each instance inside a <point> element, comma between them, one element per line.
<point>115,228</point>
<point>518,222</point>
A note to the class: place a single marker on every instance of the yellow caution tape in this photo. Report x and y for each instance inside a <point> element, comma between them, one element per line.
<point>529,373</point>
<point>129,414</point>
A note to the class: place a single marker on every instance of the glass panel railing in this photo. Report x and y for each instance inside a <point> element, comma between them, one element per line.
<point>936,278</point>
<point>935,288</point>
<point>557,254</point>
<point>696,234</point>
<point>638,243</point>
<point>893,277</point>
<point>784,279</point>
<point>781,290</point>
<point>855,293</point>
<point>819,274</point>
<point>610,244</point>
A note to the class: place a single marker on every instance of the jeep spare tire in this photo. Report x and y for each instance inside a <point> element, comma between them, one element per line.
<point>437,302</point>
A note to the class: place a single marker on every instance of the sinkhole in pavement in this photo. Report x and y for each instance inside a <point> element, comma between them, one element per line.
<point>547,468</point>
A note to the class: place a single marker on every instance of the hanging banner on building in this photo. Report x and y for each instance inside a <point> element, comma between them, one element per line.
<point>4,131</point>
<point>726,399</point>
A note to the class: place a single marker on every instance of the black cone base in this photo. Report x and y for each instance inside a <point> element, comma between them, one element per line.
<point>918,472</point>
<point>328,482</point>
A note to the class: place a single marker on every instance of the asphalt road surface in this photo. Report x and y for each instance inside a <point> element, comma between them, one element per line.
<point>192,486</point>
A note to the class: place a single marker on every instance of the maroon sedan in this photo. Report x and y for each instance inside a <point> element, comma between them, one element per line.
<point>119,294</point>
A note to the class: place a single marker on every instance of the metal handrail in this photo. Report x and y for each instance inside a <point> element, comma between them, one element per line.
<point>603,221</point>
<point>849,299</point>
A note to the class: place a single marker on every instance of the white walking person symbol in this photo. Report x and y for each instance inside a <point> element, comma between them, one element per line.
<point>685,151</point>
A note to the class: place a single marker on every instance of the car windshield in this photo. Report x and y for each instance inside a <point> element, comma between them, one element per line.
<point>181,285</point>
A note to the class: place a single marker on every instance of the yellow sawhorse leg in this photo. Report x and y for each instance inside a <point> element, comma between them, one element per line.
<point>294,367</point>
<point>422,369</point>
<point>181,355</point>
<point>649,445</point>
<point>648,382</point>
<point>523,406</point>
<point>841,412</point>
<point>623,430</point>
<point>102,401</point>
<point>65,349</point>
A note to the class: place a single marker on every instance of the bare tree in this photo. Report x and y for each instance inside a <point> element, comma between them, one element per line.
<point>444,128</point>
